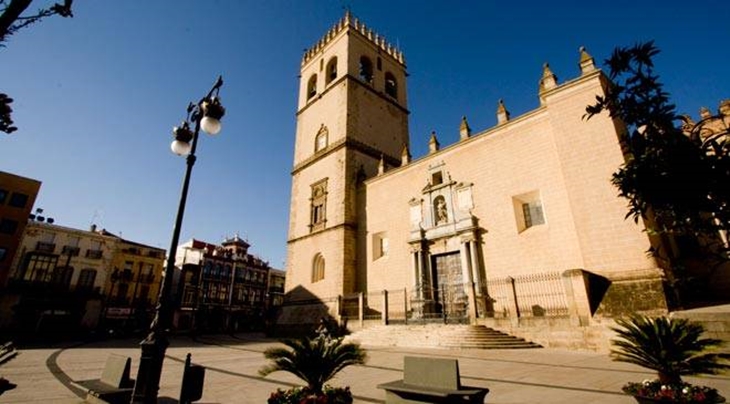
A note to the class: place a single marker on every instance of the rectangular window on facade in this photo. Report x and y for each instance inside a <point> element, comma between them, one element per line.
<point>18,200</point>
<point>533,214</point>
<point>149,272</point>
<point>39,268</point>
<point>87,277</point>
<point>528,210</point>
<point>69,250</point>
<point>3,195</point>
<point>318,205</point>
<point>46,242</point>
<point>122,289</point>
<point>3,253</point>
<point>8,226</point>
<point>381,245</point>
<point>94,250</point>
<point>144,293</point>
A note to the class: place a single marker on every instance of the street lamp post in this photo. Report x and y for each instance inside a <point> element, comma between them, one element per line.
<point>206,114</point>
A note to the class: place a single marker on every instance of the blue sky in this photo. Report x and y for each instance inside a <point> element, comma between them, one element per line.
<point>97,95</point>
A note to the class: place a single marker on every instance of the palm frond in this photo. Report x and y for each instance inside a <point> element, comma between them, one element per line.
<point>672,347</point>
<point>314,360</point>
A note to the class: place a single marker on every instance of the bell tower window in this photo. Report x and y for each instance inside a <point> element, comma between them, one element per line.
<point>317,268</point>
<point>312,86</point>
<point>331,70</point>
<point>391,86</point>
<point>366,69</point>
<point>320,141</point>
<point>318,207</point>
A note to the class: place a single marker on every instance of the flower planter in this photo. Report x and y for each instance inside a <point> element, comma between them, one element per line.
<point>653,392</point>
<point>647,400</point>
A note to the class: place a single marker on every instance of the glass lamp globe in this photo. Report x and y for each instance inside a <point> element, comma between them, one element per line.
<point>180,148</point>
<point>210,125</point>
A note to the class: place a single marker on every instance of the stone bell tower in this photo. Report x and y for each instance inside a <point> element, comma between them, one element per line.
<point>352,112</point>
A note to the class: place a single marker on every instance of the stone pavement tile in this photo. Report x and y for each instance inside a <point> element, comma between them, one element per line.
<point>232,362</point>
<point>35,381</point>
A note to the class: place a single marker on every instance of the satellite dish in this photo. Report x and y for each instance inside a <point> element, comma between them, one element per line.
<point>50,220</point>
<point>40,218</point>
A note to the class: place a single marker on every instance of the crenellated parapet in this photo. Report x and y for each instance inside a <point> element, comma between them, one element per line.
<point>348,22</point>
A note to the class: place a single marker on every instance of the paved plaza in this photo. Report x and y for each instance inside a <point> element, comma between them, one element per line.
<point>44,375</point>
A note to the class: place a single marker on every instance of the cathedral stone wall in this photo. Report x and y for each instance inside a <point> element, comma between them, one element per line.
<point>552,153</point>
<point>516,223</point>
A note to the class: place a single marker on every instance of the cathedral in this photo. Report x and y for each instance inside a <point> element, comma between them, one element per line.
<point>513,222</point>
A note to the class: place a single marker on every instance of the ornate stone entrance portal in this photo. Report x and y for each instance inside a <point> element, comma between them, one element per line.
<point>447,274</point>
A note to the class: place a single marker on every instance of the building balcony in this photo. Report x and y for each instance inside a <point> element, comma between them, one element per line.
<point>94,254</point>
<point>45,247</point>
<point>70,251</point>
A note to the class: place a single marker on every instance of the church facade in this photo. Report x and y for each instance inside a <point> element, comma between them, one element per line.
<point>517,220</point>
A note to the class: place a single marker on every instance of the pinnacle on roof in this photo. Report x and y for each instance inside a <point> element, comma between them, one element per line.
<point>549,80</point>
<point>405,155</point>
<point>464,129</point>
<point>586,61</point>
<point>381,165</point>
<point>502,113</point>
<point>433,143</point>
<point>350,22</point>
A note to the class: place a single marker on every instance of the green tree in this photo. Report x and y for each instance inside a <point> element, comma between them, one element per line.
<point>671,347</point>
<point>13,19</point>
<point>677,183</point>
<point>314,360</point>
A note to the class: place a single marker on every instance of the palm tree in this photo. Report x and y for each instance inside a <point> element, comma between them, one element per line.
<point>670,346</point>
<point>314,360</point>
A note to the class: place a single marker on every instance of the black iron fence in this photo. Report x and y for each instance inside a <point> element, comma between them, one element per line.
<point>532,295</point>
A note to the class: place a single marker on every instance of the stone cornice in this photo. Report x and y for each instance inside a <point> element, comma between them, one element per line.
<point>351,144</point>
<point>350,226</point>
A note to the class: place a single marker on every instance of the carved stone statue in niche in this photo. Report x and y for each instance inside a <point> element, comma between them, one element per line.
<point>442,216</point>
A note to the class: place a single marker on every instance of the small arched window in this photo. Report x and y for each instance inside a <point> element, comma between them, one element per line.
<point>312,86</point>
<point>391,86</point>
<point>331,70</point>
<point>366,69</point>
<point>317,268</point>
<point>320,141</point>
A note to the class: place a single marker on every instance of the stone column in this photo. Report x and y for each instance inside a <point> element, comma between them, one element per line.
<point>416,268</point>
<point>476,274</point>
<point>466,273</point>
<point>466,270</point>
<point>361,309</point>
<point>423,272</point>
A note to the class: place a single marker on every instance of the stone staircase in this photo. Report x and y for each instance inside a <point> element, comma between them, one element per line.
<point>439,336</point>
<point>715,319</point>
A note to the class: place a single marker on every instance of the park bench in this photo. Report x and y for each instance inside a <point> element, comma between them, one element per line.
<point>114,386</point>
<point>431,380</point>
<point>7,352</point>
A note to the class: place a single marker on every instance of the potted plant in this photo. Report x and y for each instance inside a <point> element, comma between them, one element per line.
<point>673,348</point>
<point>315,360</point>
